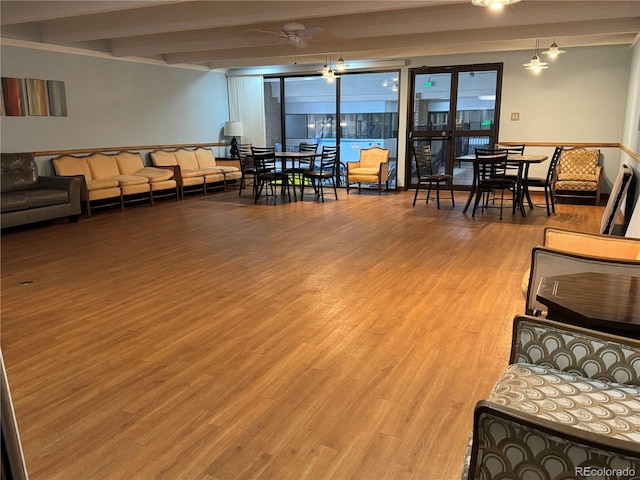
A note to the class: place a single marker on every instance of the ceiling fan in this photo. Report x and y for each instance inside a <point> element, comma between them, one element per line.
<point>295,33</point>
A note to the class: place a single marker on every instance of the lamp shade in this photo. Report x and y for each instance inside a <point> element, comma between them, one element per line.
<point>233,129</point>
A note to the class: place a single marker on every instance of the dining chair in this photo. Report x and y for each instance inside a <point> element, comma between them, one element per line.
<point>303,164</point>
<point>265,164</point>
<point>246,166</point>
<point>323,172</point>
<point>546,183</point>
<point>490,170</point>
<point>427,176</point>
<point>512,149</point>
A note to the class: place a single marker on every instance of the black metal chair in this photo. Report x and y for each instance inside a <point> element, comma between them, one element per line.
<point>246,166</point>
<point>490,170</point>
<point>303,164</point>
<point>267,173</point>
<point>322,172</point>
<point>427,177</point>
<point>545,183</point>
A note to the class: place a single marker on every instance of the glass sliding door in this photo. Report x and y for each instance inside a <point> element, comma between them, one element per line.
<point>355,111</point>
<point>455,110</point>
<point>309,111</point>
<point>369,116</point>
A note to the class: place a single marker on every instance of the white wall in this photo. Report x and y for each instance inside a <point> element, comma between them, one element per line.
<point>112,102</point>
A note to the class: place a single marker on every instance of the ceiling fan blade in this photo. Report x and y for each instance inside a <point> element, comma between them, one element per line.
<point>301,43</point>
<point>265,31</point>
<point>309,32</point>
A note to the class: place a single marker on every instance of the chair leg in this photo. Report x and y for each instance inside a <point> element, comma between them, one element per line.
<point>547,201</point>
<point>438,194</point>
<point>415,197</point>
<point>335,190</point>
<point>453,200</point>
<point>428,193</point>
<point>528,195</point>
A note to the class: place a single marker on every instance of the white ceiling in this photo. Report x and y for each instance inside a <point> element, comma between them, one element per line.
<point>231,34</point>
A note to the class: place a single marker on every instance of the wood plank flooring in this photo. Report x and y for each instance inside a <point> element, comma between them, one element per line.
<point>216,339</point>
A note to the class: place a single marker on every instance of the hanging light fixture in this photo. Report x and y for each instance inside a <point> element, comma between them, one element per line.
<point>340,66</point>
<point>325,68</point>
<point>493,4</point>
<point>535,64</point>
<point>553,50</point>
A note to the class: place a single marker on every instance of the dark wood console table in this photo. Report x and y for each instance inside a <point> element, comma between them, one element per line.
<point>599,301</point>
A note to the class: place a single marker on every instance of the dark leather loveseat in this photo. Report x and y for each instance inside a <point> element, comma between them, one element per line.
<point>28,198</point>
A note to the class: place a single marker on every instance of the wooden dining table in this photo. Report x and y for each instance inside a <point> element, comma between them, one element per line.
<point>521,161</point>
<point>594,300</point>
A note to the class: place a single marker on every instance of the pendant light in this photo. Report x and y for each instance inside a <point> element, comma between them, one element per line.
<point>340,66</point>
<point>535,64</point>
<point>493,4</point>
<point>553,50</point>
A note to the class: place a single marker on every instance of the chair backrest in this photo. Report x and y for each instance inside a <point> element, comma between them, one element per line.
<point>547,262</point>
<point>592,244</point>
<point>372,157</point>
<point>264,158</point>
<point>329,160</point>
<point>512,149</point>
<point>422,158</point>
<point>578,164</point>
<point>308,147</point>
<point>244,150</point>
<point>553,163</point>
<point>490,164</point>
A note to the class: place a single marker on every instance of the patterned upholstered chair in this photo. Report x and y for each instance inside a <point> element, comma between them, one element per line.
<point>578,175</point>
<point>567,406</point>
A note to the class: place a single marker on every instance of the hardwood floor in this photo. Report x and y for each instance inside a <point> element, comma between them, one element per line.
<point>216,339</point>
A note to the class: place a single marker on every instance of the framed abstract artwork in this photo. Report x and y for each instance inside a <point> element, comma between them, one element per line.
<point>13,95</point>
<point>36,97</point>
<point>57,98</point>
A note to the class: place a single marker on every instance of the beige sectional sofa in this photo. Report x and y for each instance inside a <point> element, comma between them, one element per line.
<point>196,168</point>
<point>119,177</point>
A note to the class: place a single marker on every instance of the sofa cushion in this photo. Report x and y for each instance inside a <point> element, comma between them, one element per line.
<point>602,407</point>
<point>101,184</point>
<point>129,163</point>
<point>45,197</point>
<point>103,166</point>
<point>18,172</point>
<point>187,159</point>
<point>575,185</point>
<point>161,158</point>
<point>127,180</point>
<point>68,165</point>
<point>187,173</point>
<point>36,198</point>
<point>14,201</point>
<point>155,175</point>
<point>204,157</point>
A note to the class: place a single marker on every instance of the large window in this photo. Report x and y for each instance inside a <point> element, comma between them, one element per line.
<point>356,111</point>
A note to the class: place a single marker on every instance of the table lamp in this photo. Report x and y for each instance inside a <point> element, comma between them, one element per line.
<point>233,129</point>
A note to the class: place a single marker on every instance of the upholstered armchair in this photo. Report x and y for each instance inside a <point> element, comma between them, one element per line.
<point>578,175</point>
<point>373,167</point>
<point>567,406</point>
